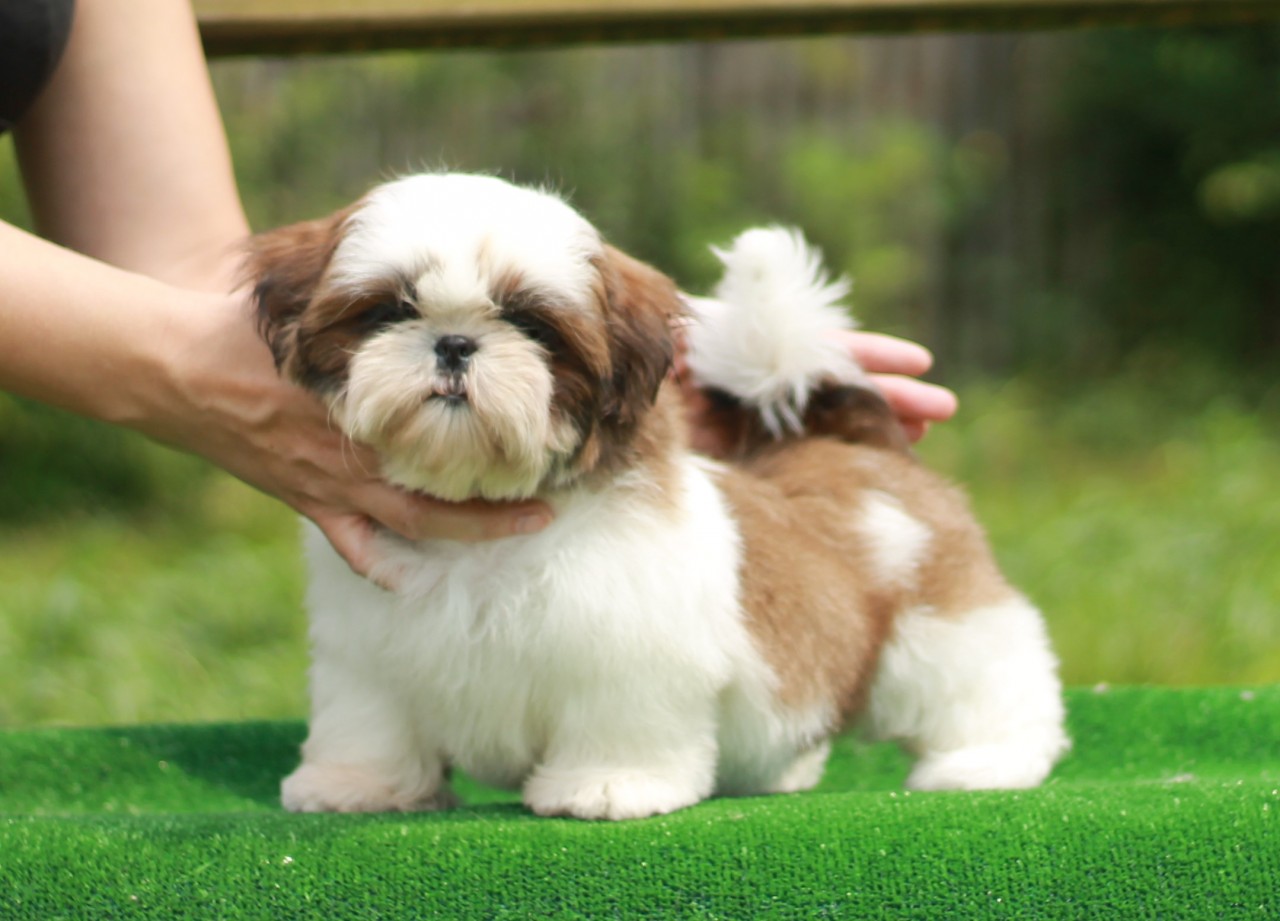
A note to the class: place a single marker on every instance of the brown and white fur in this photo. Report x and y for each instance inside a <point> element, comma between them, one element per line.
<point>684,627</point>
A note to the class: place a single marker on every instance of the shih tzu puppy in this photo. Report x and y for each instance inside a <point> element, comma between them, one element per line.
<point>686,626</point>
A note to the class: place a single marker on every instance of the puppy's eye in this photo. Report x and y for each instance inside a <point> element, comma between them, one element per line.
<point>386,313</point>
<point>535,328</point>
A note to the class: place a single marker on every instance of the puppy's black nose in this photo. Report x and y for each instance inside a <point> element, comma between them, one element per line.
<point>452,352</point>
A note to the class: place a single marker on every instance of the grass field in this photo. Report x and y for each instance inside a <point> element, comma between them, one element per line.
<point>1143,514</point>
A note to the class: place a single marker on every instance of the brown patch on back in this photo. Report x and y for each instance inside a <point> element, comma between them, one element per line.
<point>856,415</point>
<point>847,412</point>
<point>815,603</point>
<point>814,611</point>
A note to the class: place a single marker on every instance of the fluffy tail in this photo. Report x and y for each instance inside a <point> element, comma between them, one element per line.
<point>767,349</point>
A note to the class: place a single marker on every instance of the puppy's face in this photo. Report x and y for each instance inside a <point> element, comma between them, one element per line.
<point>480,336</point>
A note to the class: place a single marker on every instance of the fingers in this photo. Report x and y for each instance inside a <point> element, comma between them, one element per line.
<point>914,429</point>
<point>418,517</point>
<point>916,401</point>
<point>476,520</point>
<point>882,354</point>
<point>893,364</point>
<point>352,536</point>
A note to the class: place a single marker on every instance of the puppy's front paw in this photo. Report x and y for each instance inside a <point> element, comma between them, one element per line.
<point>351,788</point>
<point>612,794</point>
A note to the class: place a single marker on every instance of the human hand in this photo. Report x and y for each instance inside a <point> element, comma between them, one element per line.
<point>226,402</point>
<point>893,364</point>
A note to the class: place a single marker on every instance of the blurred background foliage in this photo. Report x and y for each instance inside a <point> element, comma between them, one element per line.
<point>1084,227</point>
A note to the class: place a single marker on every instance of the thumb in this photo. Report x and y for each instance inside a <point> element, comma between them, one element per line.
<point>353,536</point>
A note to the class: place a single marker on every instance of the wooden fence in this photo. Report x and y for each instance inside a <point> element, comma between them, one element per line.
<point>299,26</point>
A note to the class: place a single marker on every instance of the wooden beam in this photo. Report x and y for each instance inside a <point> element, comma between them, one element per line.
<point>301,26</point>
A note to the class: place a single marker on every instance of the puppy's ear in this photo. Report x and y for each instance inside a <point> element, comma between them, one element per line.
<point>640,306</point>
<point>285,266</point>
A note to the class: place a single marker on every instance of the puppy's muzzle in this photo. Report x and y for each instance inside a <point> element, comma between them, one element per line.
<point>453,353</point>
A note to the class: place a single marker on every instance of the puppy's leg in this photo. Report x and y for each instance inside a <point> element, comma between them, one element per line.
<point>805,771</point>
<point>975,696</point>
<point>616,758</point>
<point>363,753</point>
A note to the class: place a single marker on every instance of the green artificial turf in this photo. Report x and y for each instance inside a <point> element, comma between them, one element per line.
<point>1168,808</point>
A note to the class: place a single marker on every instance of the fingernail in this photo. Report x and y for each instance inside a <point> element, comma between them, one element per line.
<point>530,524</point>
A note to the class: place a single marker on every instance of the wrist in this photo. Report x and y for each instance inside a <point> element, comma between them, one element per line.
<point>155,388</point>
<point>199,371</point>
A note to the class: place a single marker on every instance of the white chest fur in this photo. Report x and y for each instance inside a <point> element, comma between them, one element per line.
<point>611,635</point>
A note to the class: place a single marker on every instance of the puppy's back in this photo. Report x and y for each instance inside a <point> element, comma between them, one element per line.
<point>839,540</point>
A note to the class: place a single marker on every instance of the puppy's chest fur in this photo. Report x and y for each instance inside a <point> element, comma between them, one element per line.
<point>494,648</point>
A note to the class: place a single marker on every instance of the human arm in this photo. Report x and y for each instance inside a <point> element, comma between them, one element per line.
<point>123,154</point>
<point>187,369</point>
<point>126,165</point>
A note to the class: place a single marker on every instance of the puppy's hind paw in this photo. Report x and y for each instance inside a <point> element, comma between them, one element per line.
<point>982,767</point>
<point>351,788</point>
<point>614,795</point>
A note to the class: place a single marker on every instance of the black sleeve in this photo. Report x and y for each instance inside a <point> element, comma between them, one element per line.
<point>32,36</point>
